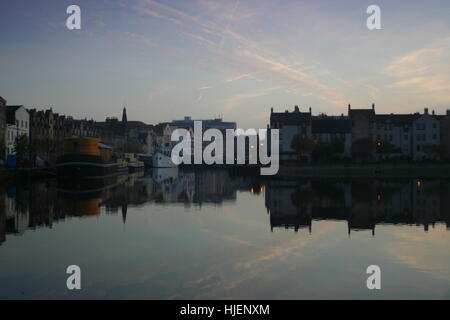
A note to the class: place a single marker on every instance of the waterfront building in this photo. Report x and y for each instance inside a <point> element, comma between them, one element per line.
<point>291,124</point>
<point>445,134</point>
<point>17,124</point>
<point>414,136</point>
<point>216,123</point>
<point>163,133</point>
<point>2,123</point>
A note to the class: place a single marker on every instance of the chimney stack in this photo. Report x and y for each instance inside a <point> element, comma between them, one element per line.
<point>425,111</point>
<point>349,107</point>
<point>373,106</point>
<point>310,110</point>
<point>432,112</point>
<point>271,110</point>
<point>296,109</point>
<point>448,112</point>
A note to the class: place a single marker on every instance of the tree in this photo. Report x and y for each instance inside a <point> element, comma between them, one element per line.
<point>325,151</point>
<point>2,150</point>
<point>386,147</point>
<point>434,150</point>
<point>362,149</point>
<point>21,146</point>
<point>302,145</point>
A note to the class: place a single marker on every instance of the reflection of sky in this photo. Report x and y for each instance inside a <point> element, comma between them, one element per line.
<point>167,59</point>
<point>223,251</point>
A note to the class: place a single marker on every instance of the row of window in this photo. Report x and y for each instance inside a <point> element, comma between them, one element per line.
<point>419,137</point>
<point>22,124</point>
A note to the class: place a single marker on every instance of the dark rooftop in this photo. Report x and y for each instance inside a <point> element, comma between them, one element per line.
<point>330,126</point>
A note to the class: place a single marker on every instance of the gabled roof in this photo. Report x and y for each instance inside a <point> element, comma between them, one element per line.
<point>330,126</point>
<point>290,117</point>
<point>12,108</point>
<point>369,113</point>
<point>136,124</point>
<point>159,128</point>
<point>396,119</point>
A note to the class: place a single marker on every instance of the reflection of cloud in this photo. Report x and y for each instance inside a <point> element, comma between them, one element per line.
<point>426,252</point>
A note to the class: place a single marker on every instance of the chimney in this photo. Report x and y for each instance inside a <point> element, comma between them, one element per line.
<point>310,110</point>
<point>296,109</point>
<point>448,112</point>
<point>373,106</point>
<point>432,112</point>
<point>425,111</point>
<point>349,107</point>
<point>271,110</point>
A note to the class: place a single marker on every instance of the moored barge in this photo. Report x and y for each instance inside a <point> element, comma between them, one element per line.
<point>85,158</point>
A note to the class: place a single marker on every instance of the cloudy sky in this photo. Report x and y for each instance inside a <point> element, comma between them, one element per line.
<point>235,58</point>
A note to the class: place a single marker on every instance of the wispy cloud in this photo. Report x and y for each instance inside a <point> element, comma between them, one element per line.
<point>424,71</point>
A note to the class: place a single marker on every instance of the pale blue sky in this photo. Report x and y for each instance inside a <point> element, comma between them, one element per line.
<point>168,59</point>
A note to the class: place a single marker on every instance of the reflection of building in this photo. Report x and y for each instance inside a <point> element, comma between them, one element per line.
<point>288,205</point>
<point>363,204</point>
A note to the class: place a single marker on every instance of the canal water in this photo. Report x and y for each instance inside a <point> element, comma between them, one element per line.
<point>212,234</point>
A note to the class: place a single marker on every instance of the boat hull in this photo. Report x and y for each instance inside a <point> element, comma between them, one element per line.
<point>160,160</point>
<point>76,167</point>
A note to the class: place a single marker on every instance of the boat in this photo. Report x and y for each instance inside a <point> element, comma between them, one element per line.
<point>162,159</point>
<point>147,159</point>
<point>122,166</point>
<point>134,165</point>
<point>85,158</point>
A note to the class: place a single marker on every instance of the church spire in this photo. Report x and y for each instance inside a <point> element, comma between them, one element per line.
<point>124,115</point>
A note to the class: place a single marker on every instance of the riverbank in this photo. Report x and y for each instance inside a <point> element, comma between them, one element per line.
<point>366,171</point>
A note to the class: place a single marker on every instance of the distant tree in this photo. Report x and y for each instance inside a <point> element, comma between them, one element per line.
<point>302,145</point>
<point>386,147</point>
<point>362,149</point>
<point>136,148</point>
<point>434,150</point>
<point>21,146</point>
<point>2,150</point>
<point>325,151</point>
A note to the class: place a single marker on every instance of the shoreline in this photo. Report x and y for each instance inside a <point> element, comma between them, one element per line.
<point>366,171</point>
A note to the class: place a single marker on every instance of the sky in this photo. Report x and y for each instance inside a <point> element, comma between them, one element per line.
<point>233,59</point>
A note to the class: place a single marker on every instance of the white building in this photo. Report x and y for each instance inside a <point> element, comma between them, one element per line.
<point>408,134</point>
<point>17,124</point>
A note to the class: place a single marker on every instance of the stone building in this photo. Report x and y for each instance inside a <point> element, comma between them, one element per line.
<point>445,134</point>
<point>2,123</point>
<point>17,125</point>
<point>291,124</point>
<point>360,122</point>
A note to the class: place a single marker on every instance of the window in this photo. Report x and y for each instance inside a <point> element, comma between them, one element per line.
<point>434,137</point>
<point>418,137</point>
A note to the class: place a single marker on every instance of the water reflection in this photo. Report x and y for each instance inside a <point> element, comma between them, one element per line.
<point>362,203</point>
<point>290,204</point>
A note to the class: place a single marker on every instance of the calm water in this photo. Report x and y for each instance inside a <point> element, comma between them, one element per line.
<point>207,234</point>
